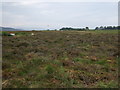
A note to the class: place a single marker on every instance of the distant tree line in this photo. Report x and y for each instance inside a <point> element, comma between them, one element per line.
<point>87,28</point>
<point>107,28</point>
<point>76,29</point>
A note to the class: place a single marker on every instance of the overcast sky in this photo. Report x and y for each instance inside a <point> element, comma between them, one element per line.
<point>55,15</point>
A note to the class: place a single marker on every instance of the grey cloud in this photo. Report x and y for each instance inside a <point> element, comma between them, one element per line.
<point>57,15</point>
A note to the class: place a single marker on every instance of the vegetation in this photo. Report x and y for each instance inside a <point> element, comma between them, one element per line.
<point>60,59</point>
<point>69,28</point>
<point>87,28</point>
<point>5,33</point>
<point>107,28</point>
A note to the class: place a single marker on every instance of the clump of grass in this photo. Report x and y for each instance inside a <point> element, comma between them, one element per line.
<point>5,33</point>
<point>22,72</point>
<point>64,76</point>
<point>50,69</point>
<point>81,60</point>
<point>41,75</point>
<point>25,67</point>
<point>82,55</point>
<point>22,33</point>
<point>56,62</point>
<point>111,84</point>
<point>17,83</point>
<point>88,61</point>
<point>101,62</point>
<point>25,44</point>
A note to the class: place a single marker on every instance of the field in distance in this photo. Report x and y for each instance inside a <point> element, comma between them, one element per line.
<point>60,59</point>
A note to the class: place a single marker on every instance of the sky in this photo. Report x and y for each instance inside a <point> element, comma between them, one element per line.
<point>55,15</point>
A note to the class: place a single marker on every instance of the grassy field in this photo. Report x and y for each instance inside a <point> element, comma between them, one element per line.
<point>60,59</point>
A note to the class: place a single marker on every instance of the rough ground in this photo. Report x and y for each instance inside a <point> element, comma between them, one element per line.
<point>61,59</point>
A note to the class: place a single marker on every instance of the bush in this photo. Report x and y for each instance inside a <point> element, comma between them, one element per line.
<point>5,34</point>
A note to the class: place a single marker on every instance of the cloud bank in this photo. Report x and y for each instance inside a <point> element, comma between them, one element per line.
<point>55,15</point>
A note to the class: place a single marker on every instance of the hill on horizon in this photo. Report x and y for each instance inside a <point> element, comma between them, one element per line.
<point>10,29</point>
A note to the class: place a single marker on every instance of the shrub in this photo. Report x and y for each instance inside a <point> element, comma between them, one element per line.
<point>5,34</point>
<point>25,44</point>
<point>22,33</point>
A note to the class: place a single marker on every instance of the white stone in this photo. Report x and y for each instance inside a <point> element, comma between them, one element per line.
<point>13,34</point>
<point>32,34</point>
